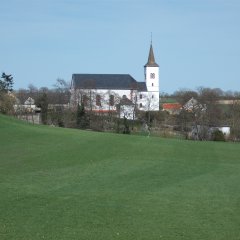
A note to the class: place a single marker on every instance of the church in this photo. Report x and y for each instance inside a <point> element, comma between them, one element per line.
<point>118,92</point>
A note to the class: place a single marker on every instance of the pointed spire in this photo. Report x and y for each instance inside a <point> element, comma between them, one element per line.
<point>151,60</point>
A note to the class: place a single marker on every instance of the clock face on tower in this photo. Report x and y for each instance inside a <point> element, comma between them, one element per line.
<point>152,75</point>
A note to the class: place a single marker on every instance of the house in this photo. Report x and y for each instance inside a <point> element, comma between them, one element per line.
<point>27,111</point>
<point>172,108</point>
<point>28,106</point>
<point>30,102</point>
<point>190,104</point>
<point>194,106</point>
<point>104,92</point>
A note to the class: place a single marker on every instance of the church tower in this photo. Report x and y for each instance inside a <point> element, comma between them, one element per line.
<point>151,71</point>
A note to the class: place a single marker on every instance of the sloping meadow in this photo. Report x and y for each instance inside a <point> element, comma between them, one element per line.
<point>60,183</point>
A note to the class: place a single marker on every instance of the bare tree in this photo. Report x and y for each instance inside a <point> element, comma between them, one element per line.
<point>184,95</point>
<point>235,120</point>
<point>213,113</point>
<point>149,106</point>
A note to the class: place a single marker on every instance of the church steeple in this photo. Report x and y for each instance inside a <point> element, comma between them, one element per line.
<point>151,60</point>
<point>151,72</point>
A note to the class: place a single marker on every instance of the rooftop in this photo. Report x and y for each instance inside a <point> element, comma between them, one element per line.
<point>107,81</point>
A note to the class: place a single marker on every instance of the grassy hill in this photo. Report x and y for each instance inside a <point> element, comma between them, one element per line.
<point>70,184</point>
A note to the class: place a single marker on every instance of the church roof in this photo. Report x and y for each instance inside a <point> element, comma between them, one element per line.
<point>151,60</point>
<point>105,81</point>
<point>141,86</point>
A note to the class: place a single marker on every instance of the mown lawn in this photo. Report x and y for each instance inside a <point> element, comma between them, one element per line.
<point>70,184</point>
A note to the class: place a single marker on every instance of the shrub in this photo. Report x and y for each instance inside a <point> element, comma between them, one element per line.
<point>6,103</point>
<point>218,135</point>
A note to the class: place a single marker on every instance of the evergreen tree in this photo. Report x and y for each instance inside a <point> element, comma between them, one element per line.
<point>6,83</point>
<point>82,120</point>
<point>42,102</point>
<point>6,100</point>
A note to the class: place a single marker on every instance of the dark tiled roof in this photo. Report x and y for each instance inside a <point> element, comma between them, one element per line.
<point>151,60</point>
<point>104,81</point>
<point>107,81</point>
<point>141,86</point>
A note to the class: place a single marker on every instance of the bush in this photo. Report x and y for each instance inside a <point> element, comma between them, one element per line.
<point>218,135</point>
<point>126,129</point>
<point>6,103</point>
<point>82,120</point>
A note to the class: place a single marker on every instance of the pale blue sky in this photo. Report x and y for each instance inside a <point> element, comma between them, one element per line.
<point>196,42</point>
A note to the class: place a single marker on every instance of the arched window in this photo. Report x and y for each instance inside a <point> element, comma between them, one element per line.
<point>98,100</point>
<point>85,99</point>
<point>111,100</point>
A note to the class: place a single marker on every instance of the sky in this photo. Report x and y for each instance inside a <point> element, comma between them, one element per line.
<point>195,42</point>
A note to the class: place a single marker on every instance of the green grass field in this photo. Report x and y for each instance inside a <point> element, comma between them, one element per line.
<point>70,184</point>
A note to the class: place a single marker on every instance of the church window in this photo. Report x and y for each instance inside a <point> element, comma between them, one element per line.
<point>152,75</point>
<point>140,105</point>
<point>140,96</point>
<point>152,84</point>
<point>85,99</point>
<point>111,100</point>
<point>152,96</point>
<point>98,100</point>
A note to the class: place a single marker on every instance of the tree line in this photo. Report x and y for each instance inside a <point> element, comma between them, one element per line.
<point>210,108</point>
<point>206,109</point>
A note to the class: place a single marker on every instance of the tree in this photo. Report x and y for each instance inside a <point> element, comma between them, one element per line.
<point>200,110</point>
<point>22,95</point>
<point>213,113</point>
<point>61,91</point>
<point>82,120</point>
<point>149,104</point>
<point>126,129</point>
<point>33,92</point>
<point>58,99</point>
<point>7,100</point>
<point>235,120</point>
<point>6,103</point>
<point>6,83</point>
<point>185,119</point>
<point>42,102</point>
<point>218,135</point>
<point>182,96</point>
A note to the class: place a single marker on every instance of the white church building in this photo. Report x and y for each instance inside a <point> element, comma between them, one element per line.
<point>118,92</point>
